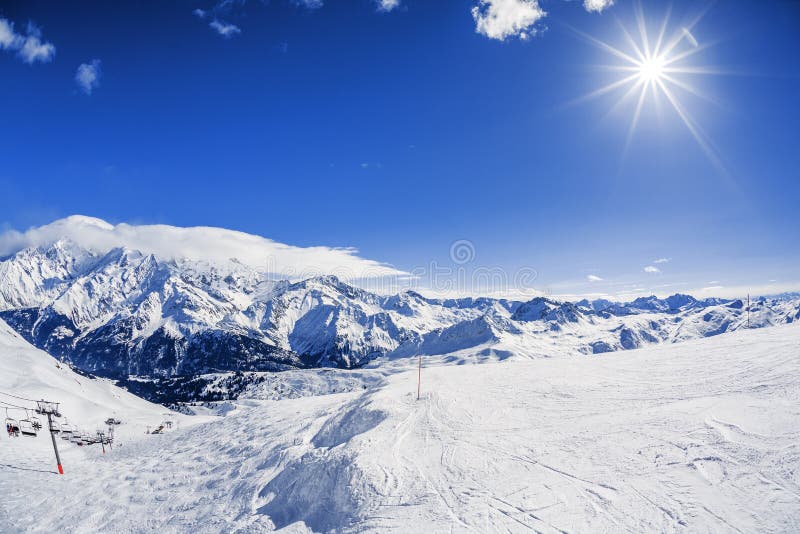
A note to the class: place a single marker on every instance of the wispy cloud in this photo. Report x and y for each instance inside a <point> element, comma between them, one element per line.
<point>662,260</point>
<point>594,278</point>
<point>652,269</point>
<point>310,4</point>
<point>225,29</point>
<point>711,288</point>
<point>88,76</point>
<point>501,19</point>
<point>30,47</point>
<point>597,6</point>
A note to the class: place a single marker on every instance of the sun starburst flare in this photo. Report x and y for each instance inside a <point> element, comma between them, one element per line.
<point>656,67</point>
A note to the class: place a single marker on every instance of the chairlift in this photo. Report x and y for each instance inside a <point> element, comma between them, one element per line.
<point>37,425</point>
<point>67,428</point>
<point>26,428</point>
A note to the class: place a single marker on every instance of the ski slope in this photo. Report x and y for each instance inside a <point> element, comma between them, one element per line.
<point>702,436</point>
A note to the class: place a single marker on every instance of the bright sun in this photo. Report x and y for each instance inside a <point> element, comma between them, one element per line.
<point>655,67</point>
<point>651,70</point>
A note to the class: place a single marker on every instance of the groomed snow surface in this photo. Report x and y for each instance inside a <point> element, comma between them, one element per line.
<point>702,436</point>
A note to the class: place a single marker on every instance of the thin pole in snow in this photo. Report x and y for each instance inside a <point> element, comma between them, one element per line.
<point>748,310</point>
<point>419,376</point>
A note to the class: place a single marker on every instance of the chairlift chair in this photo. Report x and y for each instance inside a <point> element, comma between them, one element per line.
<point>37,425</point>
<point>26,428</point>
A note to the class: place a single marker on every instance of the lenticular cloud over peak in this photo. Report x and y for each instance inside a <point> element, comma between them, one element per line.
<point>203,243</point>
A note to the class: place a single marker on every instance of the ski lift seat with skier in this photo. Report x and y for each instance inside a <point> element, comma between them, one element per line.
<point>12,427</point>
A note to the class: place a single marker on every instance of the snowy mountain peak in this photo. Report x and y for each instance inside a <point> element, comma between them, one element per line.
<point>129,312</point>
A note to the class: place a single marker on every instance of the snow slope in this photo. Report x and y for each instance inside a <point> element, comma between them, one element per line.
<point>85,403</point>
<point>702,436</point>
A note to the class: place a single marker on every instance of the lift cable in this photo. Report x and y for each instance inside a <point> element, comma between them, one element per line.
<point>17,397</point>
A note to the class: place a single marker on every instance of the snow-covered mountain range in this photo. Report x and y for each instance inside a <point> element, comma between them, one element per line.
<point>121,312</point>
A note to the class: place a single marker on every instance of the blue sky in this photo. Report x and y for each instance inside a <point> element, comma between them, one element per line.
<point>400,131</point>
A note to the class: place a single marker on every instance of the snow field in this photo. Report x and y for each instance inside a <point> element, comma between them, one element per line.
<point>702,436</point>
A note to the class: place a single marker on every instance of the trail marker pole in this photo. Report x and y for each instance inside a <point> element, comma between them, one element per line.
<point>748,310</point>
<point>419,376</point>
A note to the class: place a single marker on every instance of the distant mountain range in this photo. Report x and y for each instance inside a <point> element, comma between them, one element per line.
<point>125,313</point>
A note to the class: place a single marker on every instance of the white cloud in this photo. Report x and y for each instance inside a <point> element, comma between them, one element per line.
<point>200,13</point>
<point>8,36</point>
<point>500,19</point>
<point>387,5</point>
<point>30,47</point>
<point>202,243</point>
<point>594,278</point>
<point>662,260</point>
<point>34,50</point>
<point>597,6</point>
<point>88,76</point>
<point>225,29</point>
<point>652,269</point>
